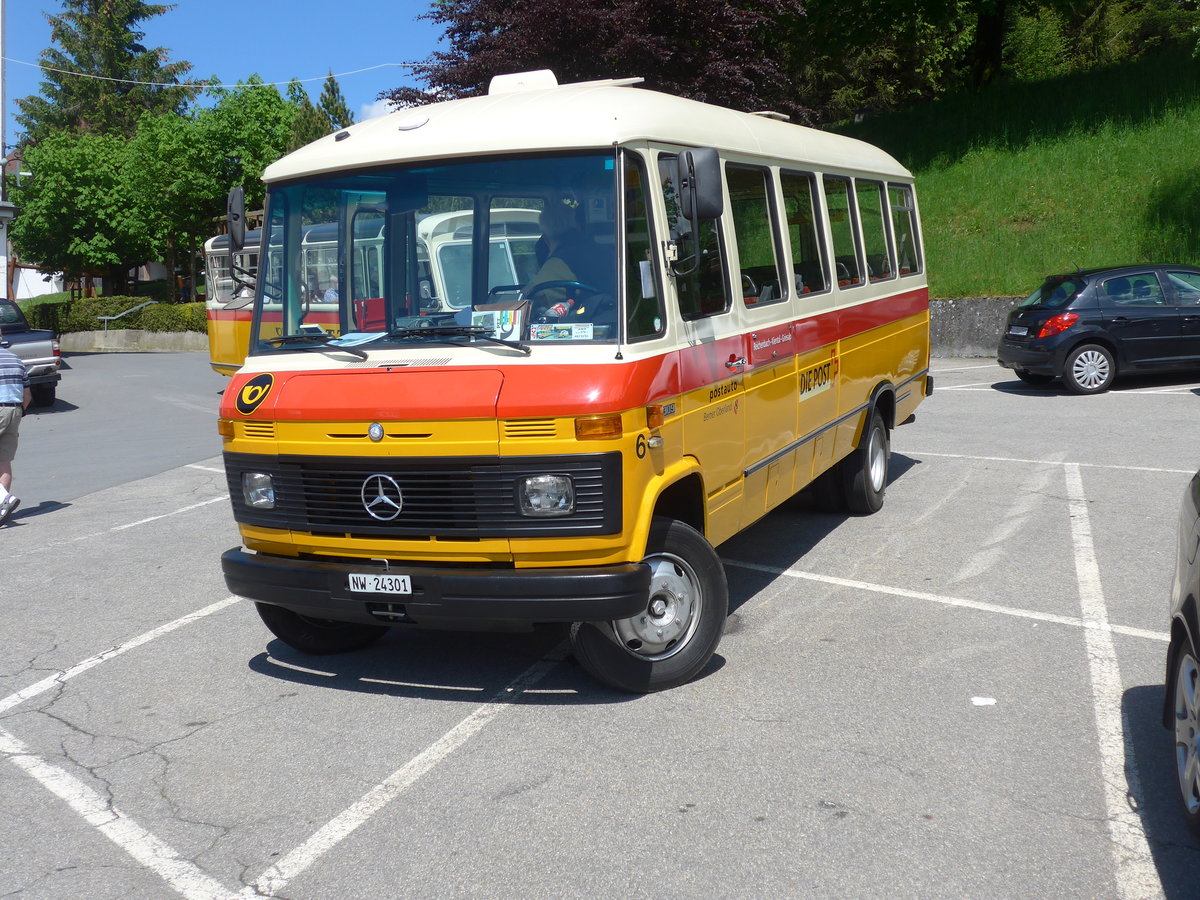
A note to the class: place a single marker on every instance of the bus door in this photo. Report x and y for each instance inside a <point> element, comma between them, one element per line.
<point>713,362</point>
<point>769,379</point>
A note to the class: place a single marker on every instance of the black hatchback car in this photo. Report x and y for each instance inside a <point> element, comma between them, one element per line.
<point>1090,325</point>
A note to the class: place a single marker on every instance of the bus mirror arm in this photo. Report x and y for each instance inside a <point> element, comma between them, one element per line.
<point>671,255</point>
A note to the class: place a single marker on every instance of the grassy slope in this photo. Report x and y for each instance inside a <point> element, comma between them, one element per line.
<point>1028,179</point>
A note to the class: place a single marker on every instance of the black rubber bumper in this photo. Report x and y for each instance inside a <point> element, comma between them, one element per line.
<point>321,590</point>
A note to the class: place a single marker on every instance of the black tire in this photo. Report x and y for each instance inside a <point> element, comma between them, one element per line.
<point>1089,369</point>
<point>674,639</point>
<point>865,471</point>
<point>320,637</point>
<point>1033,377</point>
<point>42,394</point>
<point>1185,697</point>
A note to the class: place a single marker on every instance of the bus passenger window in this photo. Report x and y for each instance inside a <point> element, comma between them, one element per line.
<point>644,308</point>
<point>904,226</point>
<point>754,231</point>
<point>702,289</point>
<point>842,227</point>
<point>871,210</point>
<point>808,249</point>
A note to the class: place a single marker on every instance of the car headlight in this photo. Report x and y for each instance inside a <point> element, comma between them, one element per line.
<point>546,495</point>
<point>258,488</point>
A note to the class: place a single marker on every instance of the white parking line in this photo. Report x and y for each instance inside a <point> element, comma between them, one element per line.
<point>52,681</point>
<point>964,368</point>
<point>1136,874</point>
<point>1049,462</point>
<point>274,879</point>
<point>184,877</point>
<point>1073,621</point>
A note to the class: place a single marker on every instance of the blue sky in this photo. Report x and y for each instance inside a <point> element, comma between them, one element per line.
<point>232,39</point>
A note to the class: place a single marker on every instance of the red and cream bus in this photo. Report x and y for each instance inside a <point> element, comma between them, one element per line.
<point>697,314</point>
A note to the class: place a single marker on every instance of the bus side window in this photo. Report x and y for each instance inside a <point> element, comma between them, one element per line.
<point>904,225</point>
<point>644,308</point>
<point>703,289</point>
<point>754,230</point>
<point>871,209</point>
<point>843,229</point>
<point>808,246</point>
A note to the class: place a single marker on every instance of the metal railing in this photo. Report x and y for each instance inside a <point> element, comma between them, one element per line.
<point>132,309</point>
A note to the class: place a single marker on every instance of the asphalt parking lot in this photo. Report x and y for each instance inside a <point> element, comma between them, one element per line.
<point>959,696</point>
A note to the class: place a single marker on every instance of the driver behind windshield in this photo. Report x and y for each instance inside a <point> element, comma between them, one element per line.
<point>571,256</point>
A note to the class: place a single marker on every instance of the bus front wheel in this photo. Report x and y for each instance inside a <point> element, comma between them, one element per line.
<point>675,636</point>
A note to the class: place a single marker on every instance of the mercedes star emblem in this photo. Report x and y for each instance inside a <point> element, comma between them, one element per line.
<point>381,497</point>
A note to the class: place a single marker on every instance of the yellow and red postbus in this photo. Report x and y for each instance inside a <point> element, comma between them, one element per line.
<point>700,313</point>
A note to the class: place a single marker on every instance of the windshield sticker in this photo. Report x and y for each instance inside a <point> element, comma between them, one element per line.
<point>579,332</point>
<point>254,392</point>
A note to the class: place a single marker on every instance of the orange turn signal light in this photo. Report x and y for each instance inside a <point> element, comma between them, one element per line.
<point>225,428</point>
<point>654,416</point>
<point>598,428</point>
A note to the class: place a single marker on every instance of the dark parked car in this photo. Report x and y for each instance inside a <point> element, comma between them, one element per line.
<point>1182,696</point>
<point>1089,326</point>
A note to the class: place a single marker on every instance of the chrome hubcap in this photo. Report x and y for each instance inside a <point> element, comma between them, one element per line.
<point>877,460</point>
<point>671,615</point>
<point>1187,753</point>
<point>1090,369</point>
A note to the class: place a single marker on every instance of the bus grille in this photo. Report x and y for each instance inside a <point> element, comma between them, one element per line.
<point>442,497</point>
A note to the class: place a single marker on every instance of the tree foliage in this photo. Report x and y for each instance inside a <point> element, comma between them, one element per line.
<point>719,52</point>
<point>101,39</point>
<point>821,61</point>
<point>333,105</point>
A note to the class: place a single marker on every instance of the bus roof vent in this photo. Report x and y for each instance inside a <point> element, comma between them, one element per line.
<point>538,80</point>
<point>768,114</point>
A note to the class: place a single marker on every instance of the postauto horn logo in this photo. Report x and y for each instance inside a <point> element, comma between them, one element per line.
<point>254,392</point>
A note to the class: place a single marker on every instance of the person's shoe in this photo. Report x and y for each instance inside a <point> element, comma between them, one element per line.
<point>7,508</point>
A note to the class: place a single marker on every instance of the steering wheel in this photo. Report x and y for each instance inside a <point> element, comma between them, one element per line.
<point>561,285</point>
<point>749,288</point>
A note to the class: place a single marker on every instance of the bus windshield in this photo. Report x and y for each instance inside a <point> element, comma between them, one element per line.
<point>512,248</point>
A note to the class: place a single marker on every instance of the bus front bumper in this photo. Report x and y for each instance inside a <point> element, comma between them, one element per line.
<point>322,590</point>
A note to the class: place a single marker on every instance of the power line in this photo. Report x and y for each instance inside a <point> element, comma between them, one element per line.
<point>206,84</point>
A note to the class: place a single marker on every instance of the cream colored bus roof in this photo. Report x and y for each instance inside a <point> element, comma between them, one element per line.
<point>529,112</point>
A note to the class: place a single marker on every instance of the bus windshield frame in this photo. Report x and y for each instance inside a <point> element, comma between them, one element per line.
<point>395,254</point>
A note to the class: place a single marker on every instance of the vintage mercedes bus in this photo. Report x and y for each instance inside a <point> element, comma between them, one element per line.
<point>694,314</point>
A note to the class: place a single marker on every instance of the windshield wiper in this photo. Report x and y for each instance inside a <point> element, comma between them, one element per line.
<point>314,342</point>
<point>477,331</point>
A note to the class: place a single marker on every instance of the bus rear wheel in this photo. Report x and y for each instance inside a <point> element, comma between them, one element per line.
<point>865,471</point>
<point>673,639</point>
<point>320,637</point>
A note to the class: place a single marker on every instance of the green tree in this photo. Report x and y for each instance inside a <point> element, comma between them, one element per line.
<point>107,78</point>
<point>78,215</point>
<point>333,105</point>
<point>310,123</point>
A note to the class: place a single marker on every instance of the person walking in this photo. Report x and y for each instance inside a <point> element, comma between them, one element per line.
<point>14,397</point>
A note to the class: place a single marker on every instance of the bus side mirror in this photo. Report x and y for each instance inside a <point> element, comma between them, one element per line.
<point>235,212</point>
<point>700,196</point>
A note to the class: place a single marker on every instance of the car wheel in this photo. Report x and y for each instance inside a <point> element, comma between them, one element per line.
<point>1187,752</point>
<point>865,471</point>
<point>1033,377</point>
<point>1089,369</point>
<point>319,637</point>
<point>42,394</point>
<point>674,638</point>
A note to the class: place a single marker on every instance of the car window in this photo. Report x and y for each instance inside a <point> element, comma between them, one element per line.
<point>1141,289</point>
<point>1054,293</point>
<point>9,314</point>
<point>1187,287</point>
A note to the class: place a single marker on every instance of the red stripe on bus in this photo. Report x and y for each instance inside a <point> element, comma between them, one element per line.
<point>531,390</point>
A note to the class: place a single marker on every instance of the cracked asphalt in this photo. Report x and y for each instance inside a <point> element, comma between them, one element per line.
<point>957,697</point>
